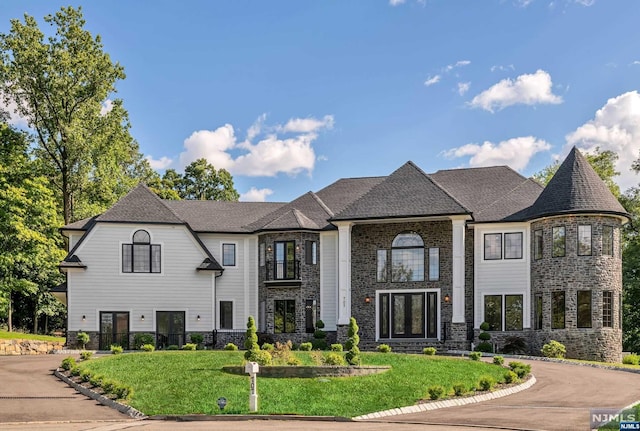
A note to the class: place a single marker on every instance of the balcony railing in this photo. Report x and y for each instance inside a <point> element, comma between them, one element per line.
<point>108,339</point>
<point>283,270</point>
<point>166,340</point>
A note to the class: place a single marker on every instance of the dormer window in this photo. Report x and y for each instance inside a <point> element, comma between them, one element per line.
<point>141,255</point>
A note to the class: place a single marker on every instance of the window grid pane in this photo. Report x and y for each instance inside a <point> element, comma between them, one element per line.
<point>262,254</point>
<point>434,264</point>
<point>584,240</point>
<point>141,258</point>
<point>537,244</point>
<point>127,256</point>
<point>492,246</point>
<point>513,312</point>
<point>607,309</point>
<point>558,307</point>
<point>155,258</point>
<point>407,264</point>
<point>513,245</point>
<point>228,255</point>
<point>538,311</point>
<point>607,240</point>
<point>558,241</point>
<point>493,312</point>
<point>584,309</point>
<point>381,270</point>
<point>226,315</point>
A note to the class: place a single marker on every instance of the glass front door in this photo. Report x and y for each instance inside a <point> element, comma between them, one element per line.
<point>407,315</point>
<point>169,329</point>
<point>114,329</point>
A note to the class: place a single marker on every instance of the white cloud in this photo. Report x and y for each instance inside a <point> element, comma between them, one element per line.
<point>527,89</point>
<point>14,118</point>
<point>159,164</point>
<point>270,156</point>
<point>515,152</point>
<point>107,106</point>
<point>463,87</point>
<point>615,127</point>
<point>307,125</point>
<point>396,2</point>
<point>460,63</point>
<point>502,68</point>
<point>585,2</point>
<point>635,62</point>
<point>256,195</point>
<point>432,80</point>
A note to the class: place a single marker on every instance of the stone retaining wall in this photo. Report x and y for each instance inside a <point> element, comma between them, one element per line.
<point>311,371</point>
<point>28,347</point>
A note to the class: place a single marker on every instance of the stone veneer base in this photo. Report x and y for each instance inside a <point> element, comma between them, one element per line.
<point>303,371</point>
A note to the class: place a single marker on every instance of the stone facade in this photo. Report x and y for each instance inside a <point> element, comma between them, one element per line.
<point>572,273</point>
<point>28,347</point>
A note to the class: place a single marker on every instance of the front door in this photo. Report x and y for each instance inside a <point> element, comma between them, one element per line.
<point>114,329</point>
<point>407,315</point>
<point>169,329</point>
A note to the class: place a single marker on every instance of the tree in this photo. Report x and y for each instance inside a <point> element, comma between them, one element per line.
<point>202,181</point>
<point>60,87</point>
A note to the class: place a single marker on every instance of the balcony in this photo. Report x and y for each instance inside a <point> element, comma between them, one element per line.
<point>283,273</point>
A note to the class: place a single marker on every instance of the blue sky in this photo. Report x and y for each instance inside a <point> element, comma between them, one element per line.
<point>292,95</point>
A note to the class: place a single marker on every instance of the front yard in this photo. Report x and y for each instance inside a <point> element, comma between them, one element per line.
<point>178,383</point>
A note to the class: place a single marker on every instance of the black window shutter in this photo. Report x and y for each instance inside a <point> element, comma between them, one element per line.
<point>308,254</point>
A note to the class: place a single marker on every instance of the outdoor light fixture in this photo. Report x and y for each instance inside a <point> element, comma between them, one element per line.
<point>298,247</point>
<point>198,318</point>
<point>142,317</point>
<point>269,249</point>
<point>84,317</point>
<point>447,298</point>
<point>222,402</point>
<point>367,299</point>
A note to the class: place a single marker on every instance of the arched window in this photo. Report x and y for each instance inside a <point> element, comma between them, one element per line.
<point>407,257</point>
<point>141,255</point>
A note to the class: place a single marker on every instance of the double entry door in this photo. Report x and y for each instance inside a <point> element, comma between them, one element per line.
<point>169,329</point>
<point>114,329</point>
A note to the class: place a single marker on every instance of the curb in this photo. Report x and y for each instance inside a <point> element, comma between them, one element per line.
<point>224,417</point>
<point>122,408</point>
<point>454,402</point>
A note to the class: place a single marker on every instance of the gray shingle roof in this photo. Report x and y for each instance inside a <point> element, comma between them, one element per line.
<point>406,192</point>
<point>575,188</point>
<point>491,193</point>
<point>305,212</point>
<point>140,205</point>
<point>340,194</point>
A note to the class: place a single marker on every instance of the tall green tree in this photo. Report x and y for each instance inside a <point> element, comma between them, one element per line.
<point>202,181</point>
<point>60,85</point>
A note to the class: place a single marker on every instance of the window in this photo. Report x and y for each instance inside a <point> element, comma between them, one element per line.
<point>262,255</point>
<point>228,255</point>
<point>434,264</point>
<point>513,245</point>
<point>310,316</point>
<point>584,240</point>
<point>311,252</point>
<point>407,315</point>
<point>558,234</point>
<point>381,268</point>
<point>284,316</point>
<point>226,314</point>
<point>557,310</point>
<point>407,258</point>
<point>584,308</point>
<point>537,244</point>
<point>141,256</point>
<point>492,246</point>
<point>169,329</point>
<point>607,240</point>
<point>285,263</point>
<point>607,309</point>
<point>538,312</point>
<point>512,312</point>
<point>114,329</point>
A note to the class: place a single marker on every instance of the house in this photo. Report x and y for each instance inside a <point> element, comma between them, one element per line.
<point>418,259</point>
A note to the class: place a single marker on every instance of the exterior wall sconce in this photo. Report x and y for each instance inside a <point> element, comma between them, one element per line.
<point>198,318</point>
<point>142,317</point>
<point>367,299</point>
<point>297,247</point>
<point>84,317</point>
<point>269,249</point>
<point>447,298</point>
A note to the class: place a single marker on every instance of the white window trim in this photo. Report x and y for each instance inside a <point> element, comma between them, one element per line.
<point>393,291</point>
<point>141,274</point>
<point>235,244</point>
<point>218,314</point>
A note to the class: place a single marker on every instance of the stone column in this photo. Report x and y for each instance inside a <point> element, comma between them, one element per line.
<point>344,273</point>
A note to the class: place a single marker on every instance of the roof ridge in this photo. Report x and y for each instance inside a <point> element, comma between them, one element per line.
<point>509,193</point>
<point>437,184</point>
<point>296,213</point>
<point>322,204</point>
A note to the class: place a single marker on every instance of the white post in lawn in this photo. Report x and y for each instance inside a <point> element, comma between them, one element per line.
<point>252,368</point>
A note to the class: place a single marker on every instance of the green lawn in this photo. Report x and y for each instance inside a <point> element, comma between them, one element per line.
<point>4,335</point>
<point>633,415</point>
<point>179,382</point>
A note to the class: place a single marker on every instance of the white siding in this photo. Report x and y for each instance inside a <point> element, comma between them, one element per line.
<point>329,279</point>
<point>503,276</point>
<point>103,286</point>
<point>73,239</point>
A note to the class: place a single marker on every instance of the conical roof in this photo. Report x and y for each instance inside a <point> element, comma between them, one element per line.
<point>575,188</point>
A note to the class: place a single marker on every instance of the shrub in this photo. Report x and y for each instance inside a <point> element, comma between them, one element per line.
<point>319,334</point>
<point>173,347</point>
<point>148,347</point>
<point>85,355</point>
<point>429,351</point>
<point>68,363</point>
<point>140,340</point>
<point>484,336</point>
<point>554,349</point>
<point>435,392</point>
<point>196,338</point>
<point>522,370</point>
<point>108,386</point>
<point>316,357</point>
<point>75,371</point>
<point>251,340</point>
<point>475,356</point>
<point>515,345</point>
<point>230,346</point>
<point>293,361</point>
<point>83,339</point>
<point>282,353</point>
<point>384,348</point>
<point>486,383</point>
<point>85,375</point>
<point>306,347</point>
<point>459,389</point>
<point>265,338</point>
<point>319,344</point>
<point>189,346</point>
<point>262,357</point>
<point>116,349</point>
<point>510,377</point>
<point>122,392</point>
<point>266,346</point>
<point>631,359</point>
<point>353,355</point>
<point>484,347</point>
<point>333,358</point>
<point>485,326</point>
<point>96,380</point>
<point>320,324</point>
<point>336,347</point>
<point>498,360</point>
